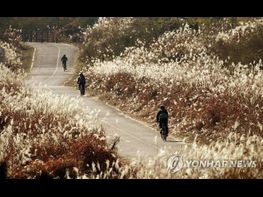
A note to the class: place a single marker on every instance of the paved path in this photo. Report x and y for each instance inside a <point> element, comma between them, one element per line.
<point>136,138</point>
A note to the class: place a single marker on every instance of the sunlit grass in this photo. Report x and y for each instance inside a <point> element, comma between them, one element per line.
<point>204,97</point>
<point>43,135</point>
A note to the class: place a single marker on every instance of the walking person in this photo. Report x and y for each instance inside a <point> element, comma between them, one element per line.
<point>81,82</point>
<point>64,60</point>
<point>162,119</point>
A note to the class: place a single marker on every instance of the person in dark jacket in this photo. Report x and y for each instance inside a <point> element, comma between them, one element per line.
<point>64,60</point>
<point>81,82</point>
<point>162,117</point>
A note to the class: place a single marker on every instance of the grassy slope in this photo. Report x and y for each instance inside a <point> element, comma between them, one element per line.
<point>247,49</point>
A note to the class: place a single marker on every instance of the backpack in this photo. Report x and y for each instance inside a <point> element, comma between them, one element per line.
<point>163,115</point>
<point>81,80</point>
<point>64,59</point>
